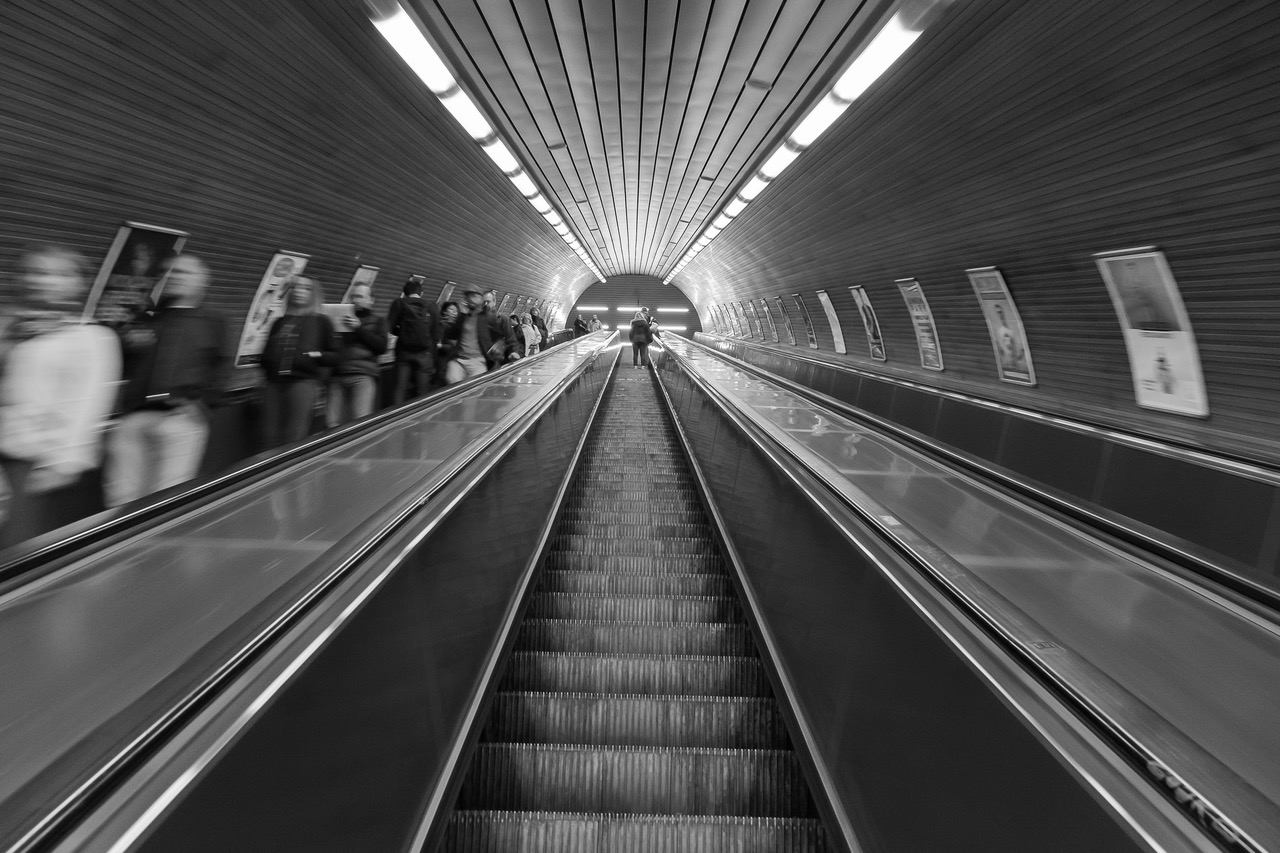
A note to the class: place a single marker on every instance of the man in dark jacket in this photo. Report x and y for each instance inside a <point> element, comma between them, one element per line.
<point>541,326</point>
<point>354,386</point>
<point>416,324</point>
<point>641,337</point>
<point>579,327</point>
<point>479,341</point>
<point>177,361</point>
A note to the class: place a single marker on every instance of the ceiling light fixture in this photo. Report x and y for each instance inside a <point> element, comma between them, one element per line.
<point>401,31</point>
<point>889,43</point>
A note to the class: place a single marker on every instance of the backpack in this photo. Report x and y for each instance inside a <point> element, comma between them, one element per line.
<point>414,331</point>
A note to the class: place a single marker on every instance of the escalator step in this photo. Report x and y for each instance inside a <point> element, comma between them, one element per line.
<point>655,547</point>
<point>643,531</point>
<point>636,780</point>
<point>634,608</point>
<point>629,500</point>
<point>600,583</point>
<point>633,637</point>
<point>730,722</point>
<point>575,515</point>
<point>637,674</point>
<point>559,832</point>
<point>667,564</point>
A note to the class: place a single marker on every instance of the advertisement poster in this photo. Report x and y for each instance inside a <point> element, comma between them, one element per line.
<point>1008,337</point>
<point>786,320</point>
<point>768,315</point>
<point>268,304</point>
<point>722,324</point>
<point>922,320</point>
<point>502,305</point>
<point>1163,358</point>
<point>836,332</point>
<point>808,321</point>
<point>364,275</point>
<point>739,325</point>
<point>132,274</point>
<point>749,309</point>
<point>870,325</point>
<point>446,292</point>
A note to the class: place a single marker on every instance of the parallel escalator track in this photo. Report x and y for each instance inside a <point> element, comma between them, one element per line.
<point>635,714</point>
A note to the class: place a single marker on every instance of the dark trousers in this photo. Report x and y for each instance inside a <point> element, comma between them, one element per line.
<point>288,408</point>
<point>31,513</point>
<point>639,353</point>
<point>414,374</point>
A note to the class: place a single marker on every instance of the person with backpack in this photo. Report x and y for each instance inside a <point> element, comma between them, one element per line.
<point>416,324</point>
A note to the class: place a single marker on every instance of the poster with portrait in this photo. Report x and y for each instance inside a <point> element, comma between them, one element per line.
<point>837,333</point>
<point>870,324</point>
<point>268,304</point>
<point>786,320</point>
<point>364,274</point>
<point>502,306</point>
<point>806,319</point>
<point>922,321</point>
<point>132,274</point>
<point>768,316</point>
<point>1004,324</point>
<point>749,310</point>
<point>1163,358</point>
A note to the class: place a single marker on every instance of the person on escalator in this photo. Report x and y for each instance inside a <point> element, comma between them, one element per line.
<point>641,337</point>
<point>300,350</point>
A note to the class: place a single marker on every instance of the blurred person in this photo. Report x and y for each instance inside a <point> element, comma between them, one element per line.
<point>579,327</point>
<point>541,325</point>
<point>595,325</point>
<point>299,350</point>
<point>58,381</point>
<point>177,359</point>
<point>450,312</point>
<point>354,387</point>
<point>416,324</point>
<point>641,337</point>
<point>477,342</point>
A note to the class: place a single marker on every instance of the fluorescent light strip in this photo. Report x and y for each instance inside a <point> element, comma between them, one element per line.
<point>402,33</point>
<point>893,40</point>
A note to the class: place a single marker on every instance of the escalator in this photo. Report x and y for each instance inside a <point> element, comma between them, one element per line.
<point>634,713</point>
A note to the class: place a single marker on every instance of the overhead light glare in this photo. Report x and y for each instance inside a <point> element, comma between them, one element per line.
<point>734,207</point>
<point>553,217</point>
<point>722,222</point>
<point>818,120</point>
<point>502,156</point>
<point>540,203</point>
<point>562,229</point>
<point>754,187</point>
<point>781,159</point>
<point>890,43</point>
<point>403,35</point>
<point>525,184</point>
<point>462,109</point>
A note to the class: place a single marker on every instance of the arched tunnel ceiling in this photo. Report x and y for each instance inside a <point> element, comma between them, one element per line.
<point>641,117</point>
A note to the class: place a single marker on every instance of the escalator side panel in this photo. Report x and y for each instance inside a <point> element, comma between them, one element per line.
<point>341,758</point>
<point>921,753</point>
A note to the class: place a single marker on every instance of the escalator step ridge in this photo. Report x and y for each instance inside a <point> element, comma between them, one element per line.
<point>592,545</point>
<point>474,831</point>
<point>636,779</point>
<point>574,635</point>
<point>595,672</point>
<point>642,564</point>
<point>735,722</point>
<point>634,608</point>
<point>588,583</point>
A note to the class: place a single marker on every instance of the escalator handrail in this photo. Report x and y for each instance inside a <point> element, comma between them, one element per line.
<point>454,478</point>
<point>1198,563</point>
<point>1192,804</point>
<point>48,553</point>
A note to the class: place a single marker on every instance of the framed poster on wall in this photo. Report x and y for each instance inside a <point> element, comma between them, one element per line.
<point>132,274</point>
<point>365,274</point>
<point>922,321</point>
<point>837,333</point>
<point>806,319</point>
<point>446,292</point>
<point>786,320</point>
<point>268,304</point>
<point>739,322</point>
<point>749,308</point>
<point>768,316</point>
<point>870,323</point>
<point>1163,359</point>
<point>1004,324</point>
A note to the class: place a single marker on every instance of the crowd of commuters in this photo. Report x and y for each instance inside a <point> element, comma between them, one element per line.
<point>97,414</point>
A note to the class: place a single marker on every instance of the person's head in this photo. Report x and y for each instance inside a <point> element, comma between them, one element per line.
<point>595,317</point>
<point>999,309</point>
<point>475,300</point>
<point>644,311</point>
<point>141,259</point>
<point>362,296</point>
<point>304,296</point>
<point>52,276</point>
<point>640,316</point>
<point>449,312</point>
<point>533,312</point>
<point>187,282</point>
<point>412,287</point>
<point>490,300</point>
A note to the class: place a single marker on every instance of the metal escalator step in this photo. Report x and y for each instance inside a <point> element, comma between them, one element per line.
<point>636,780</point>
<point>655,638</point>
<point>634,608</point>
<point>595,672</point>
<point>649,547</point>
<point>570,832</point>
<point>630,584</point>
<point>728,722</point>
<point>578,515</point>
<point>646,564</point>
<point>643,530</point>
